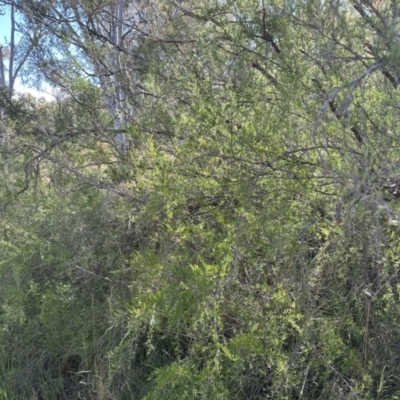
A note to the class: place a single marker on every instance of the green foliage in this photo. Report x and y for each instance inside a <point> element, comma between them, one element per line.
<point>244,245</point>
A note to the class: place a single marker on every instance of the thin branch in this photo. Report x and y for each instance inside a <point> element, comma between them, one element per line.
<point>353,85</point>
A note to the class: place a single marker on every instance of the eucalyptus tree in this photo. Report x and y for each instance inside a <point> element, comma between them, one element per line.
<point>15,53</point>
<point>17,50</point>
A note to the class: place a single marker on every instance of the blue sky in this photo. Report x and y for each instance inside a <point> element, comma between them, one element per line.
<point>5,25</point>
<point>5,30</point>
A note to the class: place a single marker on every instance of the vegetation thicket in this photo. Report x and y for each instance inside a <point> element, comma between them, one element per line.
<point>210,208</point>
